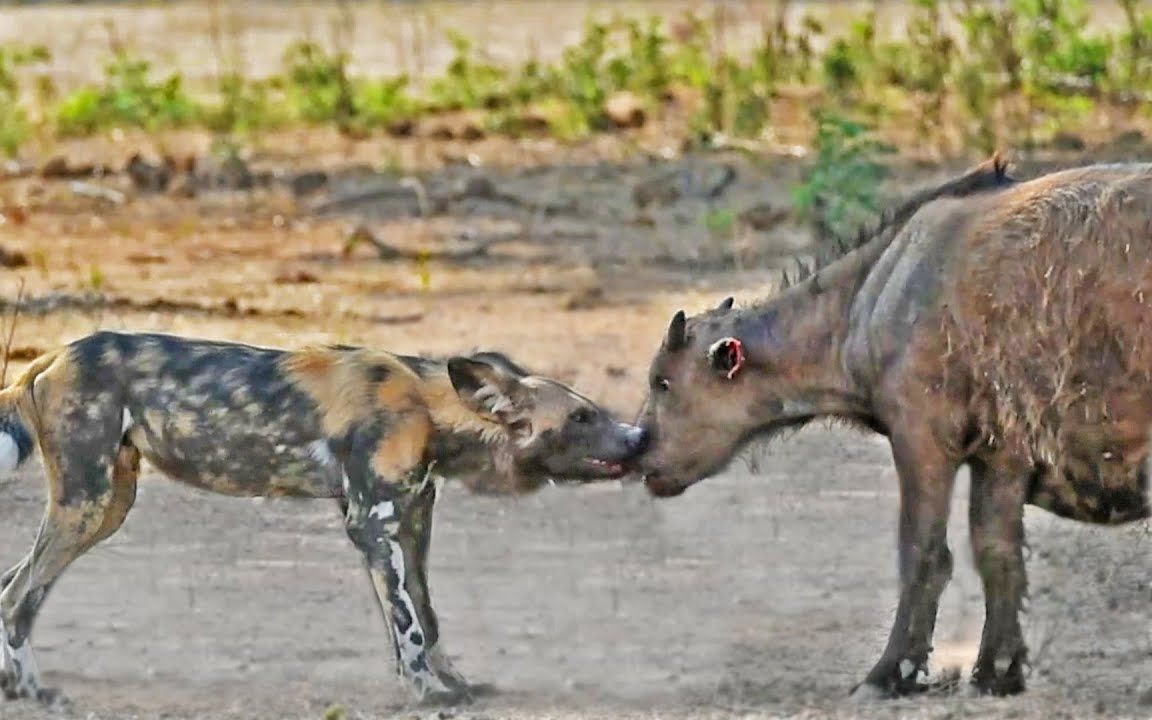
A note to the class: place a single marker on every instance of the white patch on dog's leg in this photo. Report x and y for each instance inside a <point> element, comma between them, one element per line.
<point>321,452</point>
<point>9,453</point>
<point>385,510</point>
<point>414,660</point>
<point>411,642</point>
<point>18,667</point>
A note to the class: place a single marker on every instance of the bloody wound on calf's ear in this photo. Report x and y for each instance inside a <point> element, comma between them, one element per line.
<point>727,356</point>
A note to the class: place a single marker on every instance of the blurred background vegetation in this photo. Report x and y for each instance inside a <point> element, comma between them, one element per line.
<point>944,77</point>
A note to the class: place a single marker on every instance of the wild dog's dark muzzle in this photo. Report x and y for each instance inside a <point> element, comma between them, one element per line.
<point>635,438</point>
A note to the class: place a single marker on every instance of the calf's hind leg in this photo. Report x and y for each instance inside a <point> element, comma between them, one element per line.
<point>73,523</point>
<point>996,520</point>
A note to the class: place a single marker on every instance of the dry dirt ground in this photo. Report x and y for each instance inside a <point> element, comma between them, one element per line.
<point>754,595</point>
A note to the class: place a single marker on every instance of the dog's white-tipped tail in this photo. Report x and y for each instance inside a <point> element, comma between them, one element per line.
<point>9,453</point>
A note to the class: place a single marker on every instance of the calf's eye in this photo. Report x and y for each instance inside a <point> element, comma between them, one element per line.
<point>581,415</point>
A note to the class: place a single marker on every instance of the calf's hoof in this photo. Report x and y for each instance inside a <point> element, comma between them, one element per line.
<point>1000,683</point>
<point>888,681</point>
<point>867,694</point>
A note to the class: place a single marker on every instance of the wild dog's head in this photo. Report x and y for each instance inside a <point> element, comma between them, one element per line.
<point>549,432</point>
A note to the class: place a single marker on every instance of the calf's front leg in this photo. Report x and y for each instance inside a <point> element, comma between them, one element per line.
<point>927,475</point>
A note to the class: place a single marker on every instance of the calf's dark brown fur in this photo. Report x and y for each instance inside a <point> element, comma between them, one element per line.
<point>1000,324</point>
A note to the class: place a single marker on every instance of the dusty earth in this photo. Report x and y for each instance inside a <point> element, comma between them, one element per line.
<point>756,594</point>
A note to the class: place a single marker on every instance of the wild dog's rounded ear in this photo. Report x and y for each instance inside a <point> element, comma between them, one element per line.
<point>726,303</point>
<point>677,335</point>
<point>484,387</point>
<point>726,356</point>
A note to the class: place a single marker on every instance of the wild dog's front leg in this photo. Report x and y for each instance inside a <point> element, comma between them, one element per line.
<point>996,520</point>
<point>388,523</point>
<point>927,475</point>
<point>416,539</point>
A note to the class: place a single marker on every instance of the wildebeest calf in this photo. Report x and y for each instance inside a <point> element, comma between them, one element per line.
<point>370,429</point>
<point>1000,324</point>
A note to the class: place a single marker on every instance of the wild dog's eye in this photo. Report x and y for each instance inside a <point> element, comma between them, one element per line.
<point>581,415</point>
<point>662,384</point>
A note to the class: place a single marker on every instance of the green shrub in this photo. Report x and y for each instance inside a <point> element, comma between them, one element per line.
<point>128,97</point>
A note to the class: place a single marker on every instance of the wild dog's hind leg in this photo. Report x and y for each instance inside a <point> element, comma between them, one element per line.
<point>85,506</point>
<point>996,520</point>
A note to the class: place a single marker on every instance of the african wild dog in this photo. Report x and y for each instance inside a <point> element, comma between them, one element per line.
<point>1000,324</point>
<point>370,429</point>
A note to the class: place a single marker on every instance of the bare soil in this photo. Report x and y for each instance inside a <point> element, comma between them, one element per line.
<point>756,594</point>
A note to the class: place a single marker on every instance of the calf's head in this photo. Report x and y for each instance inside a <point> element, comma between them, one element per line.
<point>551,433</point>
<point>718,381</point>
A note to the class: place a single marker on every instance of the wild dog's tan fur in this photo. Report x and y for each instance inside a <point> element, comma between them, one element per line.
<point>447,410</point>
<point>340,384</point>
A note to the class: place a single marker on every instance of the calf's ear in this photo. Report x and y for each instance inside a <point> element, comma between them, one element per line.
<point>726,356</point>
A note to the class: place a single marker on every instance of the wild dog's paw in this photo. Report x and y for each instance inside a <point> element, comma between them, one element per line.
<point>445,698</point>
<point>17,688</point>
<point>482,690</point>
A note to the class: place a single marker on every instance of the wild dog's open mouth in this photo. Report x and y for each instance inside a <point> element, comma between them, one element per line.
<point>607,468</point>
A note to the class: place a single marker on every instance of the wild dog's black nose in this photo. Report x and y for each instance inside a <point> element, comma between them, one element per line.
<point>637,439</point>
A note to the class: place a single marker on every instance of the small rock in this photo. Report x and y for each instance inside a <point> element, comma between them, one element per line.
<point>526,124</point>
<point>1068,141</point>
<point>12,258</point>
<point>660,190</point>
<point>15,214</point>
<point>471,132</point>
<point>149,177</point>
<point>441,132</point>
<point>401,128</point>
<point>585,299</point>
<point>296,277</point>
<point>58,168</point>
<point>625,110</point>
<point>235,174</point>
<point>309,182</point>
<point>97,192</point>
<point>478,187</point>
<point>763,217</point>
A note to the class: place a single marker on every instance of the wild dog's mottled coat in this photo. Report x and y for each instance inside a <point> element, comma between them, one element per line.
<point>365,427</point>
